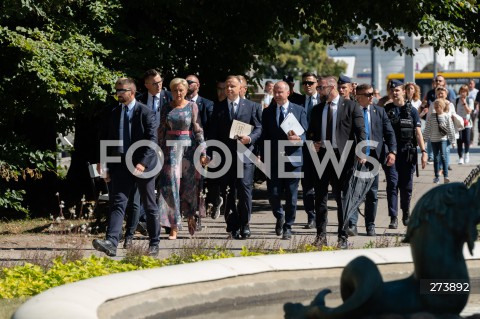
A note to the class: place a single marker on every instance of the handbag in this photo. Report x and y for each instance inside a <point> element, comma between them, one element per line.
<point>458,122</point>
<point>442,127</point>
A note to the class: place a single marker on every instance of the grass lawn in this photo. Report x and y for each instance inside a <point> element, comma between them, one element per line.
<point>8,307</point>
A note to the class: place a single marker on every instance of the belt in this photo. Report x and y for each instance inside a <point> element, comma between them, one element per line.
<point>178,133</point>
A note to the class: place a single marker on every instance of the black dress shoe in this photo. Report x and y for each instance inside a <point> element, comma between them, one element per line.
<point>245,232</point>
<point>287,234</point>
<point>142,228</point>
<point>279,226</point>
<point>371,231</point>
<point>105,246</point>
<point>342,243</point>
<point>235,234</point>
<point>128,242</point>
<point>393,222</point>
<point>320,240</point>
<point>153,250</point>
<point>352,231</point>
<point>310,225</point>
<point>216,209</point>
<point>405,218</point>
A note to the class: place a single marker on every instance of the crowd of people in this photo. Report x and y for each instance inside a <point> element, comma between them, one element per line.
<point>179,157</point>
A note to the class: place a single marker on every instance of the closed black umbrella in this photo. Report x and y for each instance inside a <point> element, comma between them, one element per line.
<point>359,184</point>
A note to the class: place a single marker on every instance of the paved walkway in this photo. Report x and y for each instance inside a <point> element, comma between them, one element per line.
<point>262,225</point>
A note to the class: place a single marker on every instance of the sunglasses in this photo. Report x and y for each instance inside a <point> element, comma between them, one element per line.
<point>159,83</point>
<point>190,82</point>
<point>308,83</point>
<point>367,94</point>
<point>120,91</point>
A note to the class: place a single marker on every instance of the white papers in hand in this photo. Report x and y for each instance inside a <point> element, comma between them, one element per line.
<point>290,123</point>
<point>240,129</point>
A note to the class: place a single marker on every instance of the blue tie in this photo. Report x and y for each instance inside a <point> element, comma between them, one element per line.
<point>367,129</point>
<point>309,107</point>
<point>154,109</point>
<point>282,116</point>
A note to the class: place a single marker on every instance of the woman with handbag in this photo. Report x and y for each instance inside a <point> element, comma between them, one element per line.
<point>439,129</point>
<point>464,107</point>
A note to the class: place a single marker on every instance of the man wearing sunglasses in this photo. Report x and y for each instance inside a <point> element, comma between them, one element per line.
<point>336,121</point>
<point>205,106</point>
<point>379,130</point>
<point>130,122</point>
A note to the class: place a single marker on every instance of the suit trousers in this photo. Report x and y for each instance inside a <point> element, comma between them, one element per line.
<point>399,180</point>
<point>122,184</point>
<point>238,215</point>
<point>308,184</point>
<point>276,188</point>
<point>339,184</point>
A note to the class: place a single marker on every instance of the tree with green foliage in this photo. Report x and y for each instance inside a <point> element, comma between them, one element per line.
<point>298,56</point>
<point>61,58</point>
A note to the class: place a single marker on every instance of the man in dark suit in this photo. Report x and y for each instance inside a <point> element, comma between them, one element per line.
<point>379,130</point>
<point>234,107</point>
<point>205,106</point>
<point>284,176</point>
<point>339,122</point>
<point>311,98</point>
<point>155,97</point>
<point>129,123</point>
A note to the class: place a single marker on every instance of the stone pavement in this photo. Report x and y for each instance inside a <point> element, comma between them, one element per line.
<point>262,226</point>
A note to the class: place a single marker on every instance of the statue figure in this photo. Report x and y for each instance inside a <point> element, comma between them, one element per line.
<point>442,221</point>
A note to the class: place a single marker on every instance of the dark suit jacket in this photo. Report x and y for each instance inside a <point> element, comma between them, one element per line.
<point>273,132</point>
<point>297,98</point>
<point>165,97</point>
<point>381,132</point>
<point>248,112</point>
<point>205,110</point>
<point>350,124</point>
<point>143,127</point>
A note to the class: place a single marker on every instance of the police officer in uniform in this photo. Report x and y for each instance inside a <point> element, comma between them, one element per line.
<point>406,124</point>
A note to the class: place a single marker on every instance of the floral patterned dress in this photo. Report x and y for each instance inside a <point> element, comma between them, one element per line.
<point>180,182</point>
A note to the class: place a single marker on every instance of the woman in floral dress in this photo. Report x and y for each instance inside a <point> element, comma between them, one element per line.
<point>179,134</point>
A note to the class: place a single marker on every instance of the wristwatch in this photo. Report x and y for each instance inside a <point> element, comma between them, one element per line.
<point>424,151</point>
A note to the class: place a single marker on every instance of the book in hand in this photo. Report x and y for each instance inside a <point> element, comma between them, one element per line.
<point>240,129</point>
<point>290,123</point>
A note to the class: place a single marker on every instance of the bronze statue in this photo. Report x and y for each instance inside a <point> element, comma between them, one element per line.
<point>442,221</point>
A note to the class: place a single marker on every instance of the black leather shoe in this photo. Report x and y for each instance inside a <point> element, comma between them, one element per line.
<point>320,240</point>
<point>371,231</point>
<point>342,243</point>
<point>310,225</point>
<point>105,246</point>
<point>235,234</point>
<point>279,226</point>
<point>216,209</point>
<point>245,232</point>
<point>393,222</point>
<point>153,250</point>
<point>405,218</point>
<point>128,242</point>
<point>142,228</point>
<point>352,231</point>
<point>287,234</point>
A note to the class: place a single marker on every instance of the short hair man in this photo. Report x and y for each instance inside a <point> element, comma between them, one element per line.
<point>156,97</point>
<point>205,106</point>
<point>323,127</point>
<point>130,122</point>
<point>277,184</point>
<point>379,130</point>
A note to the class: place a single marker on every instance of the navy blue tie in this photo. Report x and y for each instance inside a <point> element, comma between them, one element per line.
<point>367,129</point>
<point>282,116</point>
